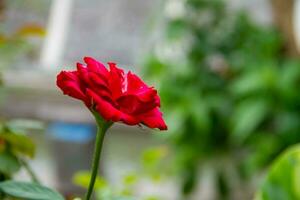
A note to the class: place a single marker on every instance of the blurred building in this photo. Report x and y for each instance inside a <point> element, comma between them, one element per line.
<point>117,30</point>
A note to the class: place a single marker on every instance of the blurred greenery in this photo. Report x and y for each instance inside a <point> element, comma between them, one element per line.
<point>18,43</point>
<point>15,46</point>
<point>282,181</point>
<point>229,93</point>
<point>149,172</point>
<point>16,146</point>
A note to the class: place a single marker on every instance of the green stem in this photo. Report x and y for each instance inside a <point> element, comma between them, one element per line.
<point>102,128</point>
<point>29,170</point>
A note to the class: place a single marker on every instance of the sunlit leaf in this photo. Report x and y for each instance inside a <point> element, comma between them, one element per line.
<point>31,30</point>
<point>19,143</point>
<point>130,179</point>
<point>282,181</point>
<point>152,157</point>
<point>82,179</point>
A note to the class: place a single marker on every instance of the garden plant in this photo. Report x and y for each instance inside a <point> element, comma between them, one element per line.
<point>231,94</point>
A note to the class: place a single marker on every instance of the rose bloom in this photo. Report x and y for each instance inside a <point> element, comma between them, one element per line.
<point>116,96</point>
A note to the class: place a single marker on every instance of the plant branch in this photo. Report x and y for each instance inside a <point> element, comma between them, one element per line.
<point>29,170</point>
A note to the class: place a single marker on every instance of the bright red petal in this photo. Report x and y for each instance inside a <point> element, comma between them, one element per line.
<point>134,83</point>
<point>70,84</point>
<point>153,119</point>
<point>108,111</point>
<point>116,80</point>
<point>95,66</point>
<point>132,104</point>
<point>93,81</point>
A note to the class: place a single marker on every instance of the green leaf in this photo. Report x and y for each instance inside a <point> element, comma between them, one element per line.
<point>249,82</point>
<point>19,143</point>
<point>247,117</point>
<point>282,181</point>
<point>151,157</point>
<point>29,191</point>
<point>254,81</point>
<point>9,164</point>
<point>130,179</point>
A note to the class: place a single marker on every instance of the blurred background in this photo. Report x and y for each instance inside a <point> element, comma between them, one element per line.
<point>228,73</point>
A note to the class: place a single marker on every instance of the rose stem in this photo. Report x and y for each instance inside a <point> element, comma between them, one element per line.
<point>101,130</point>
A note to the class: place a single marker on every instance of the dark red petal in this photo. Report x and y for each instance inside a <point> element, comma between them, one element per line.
<point>108,111</point>
<point>153,119</point>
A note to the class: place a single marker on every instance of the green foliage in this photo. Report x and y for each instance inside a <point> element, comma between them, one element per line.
<point>9,163</point>
<point>16,44</point>
<point>14,147</point>
<point>83,178</point>
<point>228,92</point>
<point>19,143</point>
<point>29,191</point>
<point>282,181</point>
<point>104,191</point>
<point>150,170</point>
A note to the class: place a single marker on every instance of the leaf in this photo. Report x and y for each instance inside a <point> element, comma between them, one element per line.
<point>246,118</point>
<point>130,179</point>
<point>254,81</point>
<point>282,181</point>
<point>19,143</point>
<point>247,83</point>
<point>82,179</point>
<point>9,163</point>
<point>29,191</point>
<point>151,157</point>
<point>31,30</point>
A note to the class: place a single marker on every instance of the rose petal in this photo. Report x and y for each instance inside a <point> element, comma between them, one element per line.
<point>134,83</point>
<point>132,104</point>
<point>95,66</point>
<point>69,83</point>
<point>93,81</point>
<point>153,119</point>
<point>145,95</point>
<point>116,96</point>
<point>116,80</point>
<point>108,111</point>
<point>83,73</point>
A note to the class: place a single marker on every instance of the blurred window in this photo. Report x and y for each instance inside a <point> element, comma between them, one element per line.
<point>106,30</point>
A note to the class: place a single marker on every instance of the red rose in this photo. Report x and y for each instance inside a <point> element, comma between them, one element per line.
<point>116,96</point>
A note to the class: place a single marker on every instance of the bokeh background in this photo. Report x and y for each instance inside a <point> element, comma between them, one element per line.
<point>228,73</point>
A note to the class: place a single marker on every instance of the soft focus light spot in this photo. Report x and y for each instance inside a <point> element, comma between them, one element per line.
<point>175,9</point>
